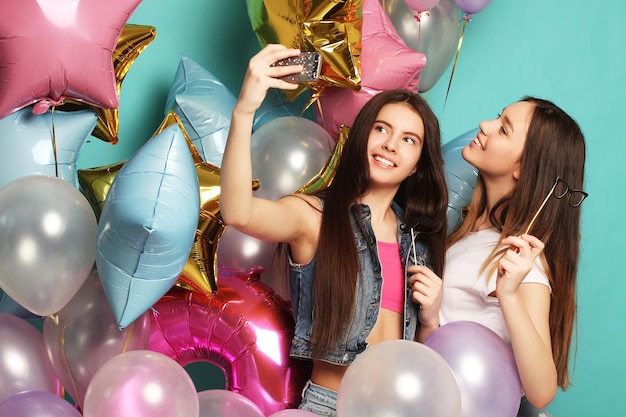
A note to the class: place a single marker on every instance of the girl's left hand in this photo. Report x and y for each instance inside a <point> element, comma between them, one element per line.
<point>517,262</point>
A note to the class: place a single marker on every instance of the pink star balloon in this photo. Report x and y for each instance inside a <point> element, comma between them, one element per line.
<point>52,50</point>
<point>386,63</point>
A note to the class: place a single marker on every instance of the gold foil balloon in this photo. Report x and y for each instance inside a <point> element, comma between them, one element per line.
<point>322,180</point>
<point>132,41</point>
<point>331,27</point>
<point>95,184</point>
<point>200,271</point>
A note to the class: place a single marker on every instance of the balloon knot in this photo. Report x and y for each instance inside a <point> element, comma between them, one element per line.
<point>467,17</point>
<point>418,16</point>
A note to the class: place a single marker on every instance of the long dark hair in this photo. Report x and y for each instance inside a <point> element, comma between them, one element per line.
<point>422,194</point>
<point>555,146</point>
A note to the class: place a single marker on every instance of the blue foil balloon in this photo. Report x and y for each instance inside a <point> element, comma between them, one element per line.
<point>28,143</point>
<point>460,177</point>
<point>148,224</point>
<point>204,105</point>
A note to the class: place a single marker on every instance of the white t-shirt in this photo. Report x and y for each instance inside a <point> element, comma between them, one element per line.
<point>465,293</point>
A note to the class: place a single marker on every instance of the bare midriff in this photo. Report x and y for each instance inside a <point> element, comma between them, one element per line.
<point>387,327</point>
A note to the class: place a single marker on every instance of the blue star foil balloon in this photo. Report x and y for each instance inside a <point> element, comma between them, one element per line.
<point>204,106</point>
<point>460,177</point>
<point>29,142</point>
<point>147,225</point>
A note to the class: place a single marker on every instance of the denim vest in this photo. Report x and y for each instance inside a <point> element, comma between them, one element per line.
<point>368,292</point>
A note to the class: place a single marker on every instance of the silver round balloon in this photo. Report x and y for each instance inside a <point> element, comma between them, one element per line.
<point>47,242</point>
<point>436,35</point>
<point>287,152</point>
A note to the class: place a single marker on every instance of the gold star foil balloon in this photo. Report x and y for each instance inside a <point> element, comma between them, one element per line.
<point>330,27</point>
<point>95,184</point>
<point>132,41</point>
<point>200,271</point>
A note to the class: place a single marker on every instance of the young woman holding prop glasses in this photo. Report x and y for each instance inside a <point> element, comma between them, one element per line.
<point>512,263</point>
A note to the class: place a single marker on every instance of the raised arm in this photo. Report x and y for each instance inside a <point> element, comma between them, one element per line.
<point>278,221</point>
<point>526,309</point>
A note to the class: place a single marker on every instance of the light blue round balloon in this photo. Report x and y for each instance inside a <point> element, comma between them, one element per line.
<point>148,224</point>
<point>28,143</point>
<point>460,177</point>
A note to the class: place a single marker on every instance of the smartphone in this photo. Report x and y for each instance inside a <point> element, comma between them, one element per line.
<point>312,63</point>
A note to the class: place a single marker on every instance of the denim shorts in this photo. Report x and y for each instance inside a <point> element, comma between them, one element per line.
<point>319,400</point>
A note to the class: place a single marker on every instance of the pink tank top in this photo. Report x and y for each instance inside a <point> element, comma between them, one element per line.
<point>393,279</point>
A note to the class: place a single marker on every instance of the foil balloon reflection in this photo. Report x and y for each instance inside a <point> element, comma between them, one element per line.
<point>244,328</point>
<point>24,365</point>
<point>47,144</point>
<point>83,335</point>
<point>133,40</point>
<point>147,225</point>
<point>62,51</point>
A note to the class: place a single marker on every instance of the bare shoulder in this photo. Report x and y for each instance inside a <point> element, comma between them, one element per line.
<point>303,247</point>
<point>304,200</point>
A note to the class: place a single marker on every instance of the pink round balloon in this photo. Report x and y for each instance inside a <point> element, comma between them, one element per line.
<point>293,413</point>
<point>85,335</point>
<point>472,6</point>
<point>472,349</point>
<point>37,404</point>
<point>421,5</point>
<point>141,383</point>
<point>52,50</point>
<point>386,63</point>
<point>245,329</point>
<point>23,362</point>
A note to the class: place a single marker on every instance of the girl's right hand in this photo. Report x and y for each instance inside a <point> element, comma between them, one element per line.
<point>261,76</point>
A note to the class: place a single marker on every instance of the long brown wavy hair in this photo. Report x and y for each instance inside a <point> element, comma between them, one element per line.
<point>555,146</point>
<point>422,194</point>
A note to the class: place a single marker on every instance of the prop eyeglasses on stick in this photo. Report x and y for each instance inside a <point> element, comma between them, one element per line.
<point>559,190</point>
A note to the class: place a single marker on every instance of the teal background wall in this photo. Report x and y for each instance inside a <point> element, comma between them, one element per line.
<point>568,51</point>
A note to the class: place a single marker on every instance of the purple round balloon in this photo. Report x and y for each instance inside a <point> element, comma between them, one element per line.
<point>484,366</point>
<point>37,404</point>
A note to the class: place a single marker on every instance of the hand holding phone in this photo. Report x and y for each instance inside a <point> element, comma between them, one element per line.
<point>312,63</point>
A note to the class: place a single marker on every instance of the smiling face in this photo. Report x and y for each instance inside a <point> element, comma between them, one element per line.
<point>395,144</point>
<point>497,149</point>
